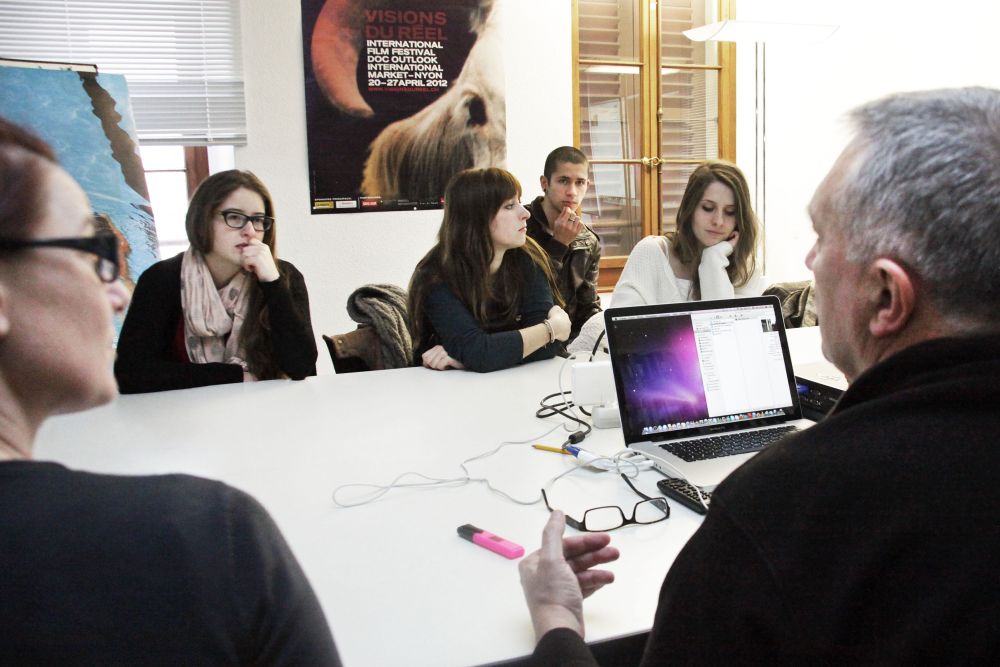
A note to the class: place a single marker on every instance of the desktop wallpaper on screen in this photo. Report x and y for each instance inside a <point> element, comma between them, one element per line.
<point>661,371</point>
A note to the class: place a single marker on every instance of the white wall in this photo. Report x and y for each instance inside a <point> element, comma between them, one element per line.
<point>338,253</point>
<point>882,46</point>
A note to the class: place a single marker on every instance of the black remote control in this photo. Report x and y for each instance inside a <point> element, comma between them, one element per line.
<point>684,493</point>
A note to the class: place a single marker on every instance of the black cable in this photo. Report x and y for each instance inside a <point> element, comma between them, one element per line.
<point>562,408</point>
<point>597,343</point>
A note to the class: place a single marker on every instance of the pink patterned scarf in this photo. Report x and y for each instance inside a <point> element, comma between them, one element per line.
<point>210,314</point>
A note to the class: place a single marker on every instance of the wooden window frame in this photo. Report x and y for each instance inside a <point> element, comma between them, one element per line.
<point>195,166</point>
<point>650,141</point>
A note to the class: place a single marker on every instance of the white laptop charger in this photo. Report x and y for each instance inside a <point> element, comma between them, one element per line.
<point>594,387</point>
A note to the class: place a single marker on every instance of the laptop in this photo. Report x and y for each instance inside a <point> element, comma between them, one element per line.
<point>695,377</point>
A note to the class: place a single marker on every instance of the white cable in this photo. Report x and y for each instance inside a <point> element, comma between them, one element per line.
<point>633,460</point>
<point>376,491</point>
<point>677,473</point>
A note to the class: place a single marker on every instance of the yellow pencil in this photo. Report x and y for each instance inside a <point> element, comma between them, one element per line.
<point>557,450</point>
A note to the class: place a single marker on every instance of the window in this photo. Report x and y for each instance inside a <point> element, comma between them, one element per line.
<point>651,106</point>
<point>182,58</point>
<point>166,180</point>
<point>172,175</point>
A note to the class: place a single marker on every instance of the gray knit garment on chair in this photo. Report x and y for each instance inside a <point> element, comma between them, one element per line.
<point>383,307</point>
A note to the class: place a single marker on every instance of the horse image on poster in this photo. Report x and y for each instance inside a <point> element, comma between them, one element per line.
<point>465,127</point>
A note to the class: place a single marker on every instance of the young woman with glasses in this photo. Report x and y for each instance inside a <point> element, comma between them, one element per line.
<point>226,310</point>
<point>111,569</point>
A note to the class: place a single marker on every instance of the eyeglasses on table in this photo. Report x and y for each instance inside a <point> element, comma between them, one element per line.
<point>609,517</point>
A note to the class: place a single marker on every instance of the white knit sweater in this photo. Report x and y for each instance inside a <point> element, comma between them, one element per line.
<point>648,279</point>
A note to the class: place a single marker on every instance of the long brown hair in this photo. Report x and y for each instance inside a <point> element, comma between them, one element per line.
<point>461,258</point>
<point>199,223</point>
<point>686,246</point>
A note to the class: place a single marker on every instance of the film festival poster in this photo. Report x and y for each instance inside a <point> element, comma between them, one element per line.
<point>400,96</point>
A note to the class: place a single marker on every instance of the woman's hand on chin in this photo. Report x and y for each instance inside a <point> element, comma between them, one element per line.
<point>726,247</point>
<point>257,258</point>
<point>731,243</point>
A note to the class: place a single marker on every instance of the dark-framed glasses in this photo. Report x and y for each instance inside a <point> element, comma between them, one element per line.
<point>609,517</point>
<point>102,244</point>
<point>238,220</point>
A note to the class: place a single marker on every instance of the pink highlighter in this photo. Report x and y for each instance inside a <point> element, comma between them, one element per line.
<point>494,543</point>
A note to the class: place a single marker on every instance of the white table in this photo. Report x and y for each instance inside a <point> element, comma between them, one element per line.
<point>396,582</point>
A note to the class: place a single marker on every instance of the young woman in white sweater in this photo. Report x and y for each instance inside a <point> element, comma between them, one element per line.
<point>711,255</point>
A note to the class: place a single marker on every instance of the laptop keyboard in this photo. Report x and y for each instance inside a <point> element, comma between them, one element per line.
<point>718,446</point>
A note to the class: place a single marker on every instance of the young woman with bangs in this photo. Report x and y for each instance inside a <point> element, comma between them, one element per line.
<point>482,298</point>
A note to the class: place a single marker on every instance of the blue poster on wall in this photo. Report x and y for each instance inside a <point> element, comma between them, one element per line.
<point>87,119</point>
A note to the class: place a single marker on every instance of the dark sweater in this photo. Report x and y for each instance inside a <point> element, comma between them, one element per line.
<point>872,537</point>
<point>489,346</point>
<point>163,570</point>
<point>150,350</point>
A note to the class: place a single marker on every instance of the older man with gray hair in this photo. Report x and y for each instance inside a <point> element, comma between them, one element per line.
<point>874,536</point>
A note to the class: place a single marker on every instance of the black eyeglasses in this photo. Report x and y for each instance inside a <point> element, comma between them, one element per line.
<point>104,245</point>
<point>600,519</point>
<point>238,220</point>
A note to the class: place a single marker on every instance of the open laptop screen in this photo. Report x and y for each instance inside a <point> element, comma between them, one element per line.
<point>702,367</point>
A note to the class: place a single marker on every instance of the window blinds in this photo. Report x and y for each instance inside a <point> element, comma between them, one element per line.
<point>182,58</point>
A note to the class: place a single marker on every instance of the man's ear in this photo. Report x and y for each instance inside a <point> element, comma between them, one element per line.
<point>544,182</point>
<point>896,297</point>
<point>4,312</point>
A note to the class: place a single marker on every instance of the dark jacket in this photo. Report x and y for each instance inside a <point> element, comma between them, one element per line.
<point>871,537</point>
<point>575,267</point>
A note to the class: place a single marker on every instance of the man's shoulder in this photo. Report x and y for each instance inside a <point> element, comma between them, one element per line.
<point>537,222</point>
<point>535,206</point>
<point>774,481</point>
<point>588,238</point>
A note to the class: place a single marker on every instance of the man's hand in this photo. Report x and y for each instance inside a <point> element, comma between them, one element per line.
<point>567,226</point>
<point>558,576</point>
